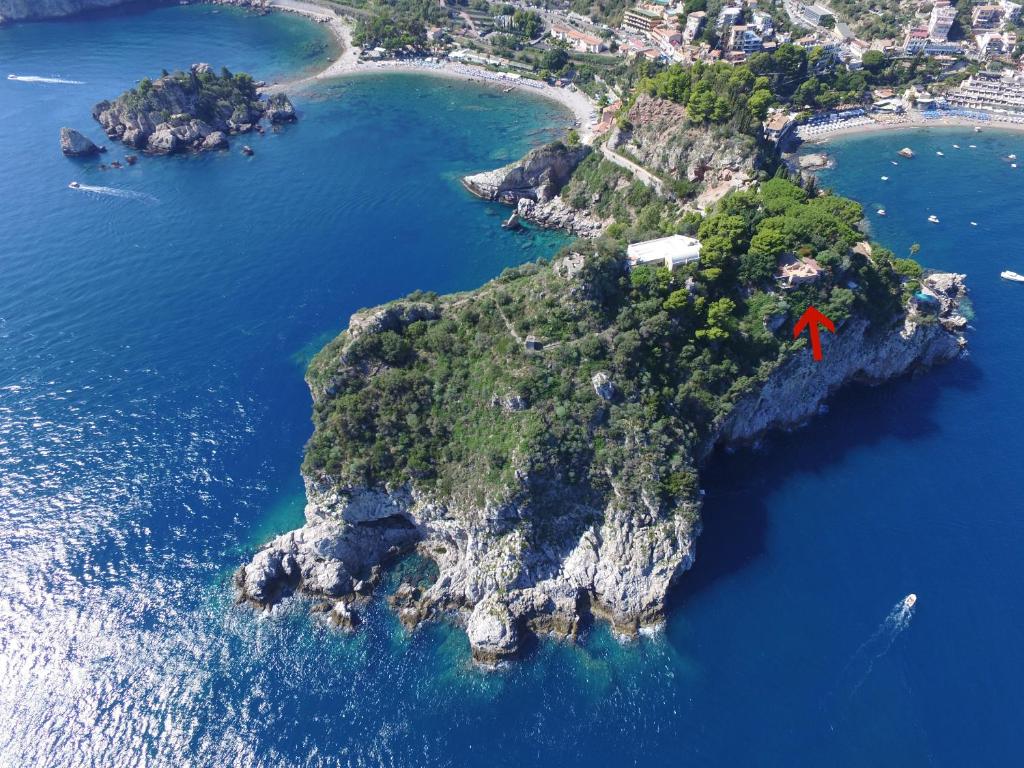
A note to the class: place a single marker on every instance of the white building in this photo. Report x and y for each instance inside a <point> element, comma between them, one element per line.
<point>667,251</point>
<point>762,22</point>
<point>694,25</point>
<point>580,41</point>
<point>813,15</point>
<point>941,20</point>
<point>730,16</point>
<point>745,39</point>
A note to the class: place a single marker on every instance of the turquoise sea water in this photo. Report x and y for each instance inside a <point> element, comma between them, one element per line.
<point>152,416</point>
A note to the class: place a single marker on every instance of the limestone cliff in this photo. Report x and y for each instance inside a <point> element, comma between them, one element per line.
<point>659,137</point>
<point>32,10</point>
<point>533,183</point>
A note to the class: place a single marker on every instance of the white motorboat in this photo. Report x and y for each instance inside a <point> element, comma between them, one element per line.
<point>885,178</point>
<point>909,601</point>
<point>74,185</point>
<point>974,223</point>
<point>940,154</point>
<point>933,219</point>
<point>956,146</point>
<point>1009,275</point>
<point>881,212</point>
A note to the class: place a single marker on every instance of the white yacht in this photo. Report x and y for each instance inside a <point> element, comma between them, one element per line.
<point>933,219</point>
<point>74,185</point>
<point>940,154</point>
<point>1008,275</point>
<point>881,212</point>
<point>909,600</point>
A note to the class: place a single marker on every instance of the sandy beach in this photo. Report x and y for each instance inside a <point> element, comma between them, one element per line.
<point>914,122</point>
<point>348,64</point>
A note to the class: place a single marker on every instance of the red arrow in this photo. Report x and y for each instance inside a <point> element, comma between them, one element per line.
<point>811,319</point>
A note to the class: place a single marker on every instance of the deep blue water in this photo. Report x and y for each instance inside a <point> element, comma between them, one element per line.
<point>152,417</point>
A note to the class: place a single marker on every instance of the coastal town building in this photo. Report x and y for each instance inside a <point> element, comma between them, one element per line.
<point>762,23</point>
<point>990,91</point>
<point>810,15</point>
<point>729,16</point>
<point>996,43</point>
<point>795,271</point>
<point>744,40</point>
<point>640,20</point>
<point>778,126</point>
<point>583,42</point>
<point>671,251</point>
<point>694,26</point>
<point>941,20</point>
<point>986,17</point>
<point>919,42</point>
<point>667,39</point>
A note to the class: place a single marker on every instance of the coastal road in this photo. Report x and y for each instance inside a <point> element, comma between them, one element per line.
<point>637,170</point>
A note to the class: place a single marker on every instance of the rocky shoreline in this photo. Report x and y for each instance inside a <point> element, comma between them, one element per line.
<point>532,184</point>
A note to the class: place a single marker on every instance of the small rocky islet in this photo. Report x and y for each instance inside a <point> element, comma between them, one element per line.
<point>194,111</point>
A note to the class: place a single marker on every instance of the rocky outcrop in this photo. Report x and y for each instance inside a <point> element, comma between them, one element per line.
<point>662,140</point>
<point>557,214</point>
<point>74,144</point>
<point>539,176</point>
<point>508,568</point>
<point>798,388</point>
<point>31,10</point>
<point>193,111</point>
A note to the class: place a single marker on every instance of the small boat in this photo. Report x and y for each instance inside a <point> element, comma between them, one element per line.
<point>507,90</point>
<point>1011,157</point>
<point>1013,165</point>
<point>881,212</point>
<point>972,146</point>
<point>940,154</point>
<point>906,152</point>
<point>956,146</point>
<point>933,219</point>
<point>1008,275</point>
<point>74,185</point>
<point>977,129</point>
<point>974,223</point>
<point>909,601</point>
<point>894,162</point>
<point>12,77</point>
<point>885,178</point>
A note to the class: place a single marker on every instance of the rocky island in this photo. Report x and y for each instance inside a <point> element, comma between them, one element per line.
<point>540,439</point>
<point>190,111</point>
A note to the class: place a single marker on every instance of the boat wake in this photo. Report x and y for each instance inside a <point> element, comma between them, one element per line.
<point>125,194</point>
<point>37,79</point>
<point>862,662</point>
